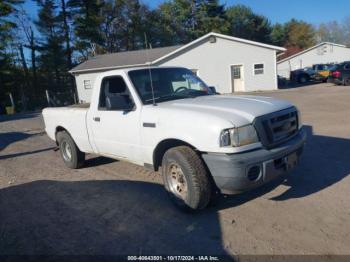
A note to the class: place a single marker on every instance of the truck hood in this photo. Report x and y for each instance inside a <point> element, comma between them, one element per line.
<point>238,109</point>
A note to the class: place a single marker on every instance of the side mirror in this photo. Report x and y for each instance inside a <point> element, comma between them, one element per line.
<point>119,102</point>
<point>213,89</point>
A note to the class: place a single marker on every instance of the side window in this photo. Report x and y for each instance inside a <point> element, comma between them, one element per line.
<point>347,66</point>
<point>113,89</point>
<point>258,69</point>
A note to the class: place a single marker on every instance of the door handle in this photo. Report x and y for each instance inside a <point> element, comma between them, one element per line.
<point>97,119</point>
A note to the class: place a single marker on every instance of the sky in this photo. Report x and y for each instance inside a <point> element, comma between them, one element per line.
<point>311,11</point>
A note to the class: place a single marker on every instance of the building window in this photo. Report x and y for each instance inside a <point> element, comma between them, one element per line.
<point>258,69</point>
<point>87,84</point>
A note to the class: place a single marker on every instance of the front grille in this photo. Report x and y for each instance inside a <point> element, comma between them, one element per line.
<point>277,127</point>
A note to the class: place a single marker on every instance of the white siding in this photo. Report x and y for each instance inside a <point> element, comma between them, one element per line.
<point>213,61</point>
<point>326,53</point>
<point>85,94</point>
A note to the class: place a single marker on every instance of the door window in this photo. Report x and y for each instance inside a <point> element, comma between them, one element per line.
<point>236,71</point>
<point>112,87</point>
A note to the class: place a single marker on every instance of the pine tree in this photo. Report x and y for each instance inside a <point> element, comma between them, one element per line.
<point>52,54</point>
<point>87,19</point>
<point>246,24</point>
<point>64,18</point>
<point>7,68</point>
<point>210,17</point>
<point>185,20</point>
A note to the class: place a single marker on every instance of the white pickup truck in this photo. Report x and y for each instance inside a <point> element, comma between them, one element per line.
<point>169,119</point>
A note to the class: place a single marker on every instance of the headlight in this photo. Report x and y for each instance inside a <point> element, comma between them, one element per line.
<point>238,136</point>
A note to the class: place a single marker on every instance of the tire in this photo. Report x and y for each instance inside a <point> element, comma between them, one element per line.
<point>303,79</point>
<point>186,179</point>
<point>347,82</point>
<point>70,153</point>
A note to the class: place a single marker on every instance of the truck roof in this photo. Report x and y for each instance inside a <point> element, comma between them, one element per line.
<point>126,70</point>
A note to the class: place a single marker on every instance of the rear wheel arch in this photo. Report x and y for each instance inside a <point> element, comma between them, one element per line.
<point>59,129</point>
<point>71,154</point>
<point>62,129</point>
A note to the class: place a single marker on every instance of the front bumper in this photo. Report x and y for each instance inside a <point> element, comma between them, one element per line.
<point>233,174</point>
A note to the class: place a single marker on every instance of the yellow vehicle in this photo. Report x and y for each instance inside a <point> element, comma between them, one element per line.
<point>322,71</point>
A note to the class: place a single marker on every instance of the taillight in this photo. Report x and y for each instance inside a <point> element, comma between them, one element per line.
<point>336,74</point>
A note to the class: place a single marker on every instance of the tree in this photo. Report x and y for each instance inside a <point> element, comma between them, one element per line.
<point>65,17</point>
<point>52,54</point>
<point>210,17</point>
<point>7,7</point>
<point>124,25</point>
<point>86,20</point>
<point>299,34</point>
<point>246,24</point>
<point>7,71</point>
<point>182,21</point>
<point>278,35</point>
<point>28,40</point>
<point>177,21</point>
<point>331,32</point>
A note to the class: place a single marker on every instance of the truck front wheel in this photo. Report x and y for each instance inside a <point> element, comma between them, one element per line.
<point>186,178</point>
<point>71,155</point>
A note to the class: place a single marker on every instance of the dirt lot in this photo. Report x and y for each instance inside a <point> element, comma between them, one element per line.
<point>111,207</point>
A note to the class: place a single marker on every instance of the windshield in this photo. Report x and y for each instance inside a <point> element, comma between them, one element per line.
<point>332,67</point>
<point>168,84</point>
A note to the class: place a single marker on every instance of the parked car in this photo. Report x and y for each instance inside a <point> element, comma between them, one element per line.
<point>321,72</point>
<point>168,119</point>
<point>301,76</point>
<point>340,74</point>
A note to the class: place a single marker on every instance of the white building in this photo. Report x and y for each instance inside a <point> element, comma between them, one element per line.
<point>323,53</point>
<point>228,63</point>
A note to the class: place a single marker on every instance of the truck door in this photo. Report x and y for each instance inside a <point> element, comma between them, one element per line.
<point>115,130</point>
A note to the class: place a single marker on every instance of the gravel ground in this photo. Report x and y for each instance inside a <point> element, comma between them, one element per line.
<point>113,207</point>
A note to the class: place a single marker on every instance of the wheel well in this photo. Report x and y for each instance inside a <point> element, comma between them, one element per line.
<point>162,147</point>
<point>59,129</point>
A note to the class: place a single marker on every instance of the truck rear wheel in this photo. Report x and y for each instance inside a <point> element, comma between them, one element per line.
<point>186,178</point>
<point>71,155</point>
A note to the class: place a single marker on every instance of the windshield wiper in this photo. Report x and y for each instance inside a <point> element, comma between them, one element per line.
<point>167,98</point>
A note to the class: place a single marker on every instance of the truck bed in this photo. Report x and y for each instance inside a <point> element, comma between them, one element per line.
<point>70,118</point>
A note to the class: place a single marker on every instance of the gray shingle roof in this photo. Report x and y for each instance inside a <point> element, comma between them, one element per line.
<point>123,59</point>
